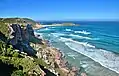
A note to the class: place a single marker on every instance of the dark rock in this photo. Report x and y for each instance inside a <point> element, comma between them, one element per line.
<point>48,73</point>
<point>21,38</point>
<point>3,37</point>
<point>29,30</point>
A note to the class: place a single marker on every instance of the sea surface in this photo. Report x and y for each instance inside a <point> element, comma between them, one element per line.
<point>94,45</point>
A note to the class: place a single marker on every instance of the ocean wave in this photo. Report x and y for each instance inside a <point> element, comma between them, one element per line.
<point>111,36</point>
<point>72,55</point>
<point>57,34</point>
<point>68,29</point>
<point>105,58</point>
<point>83,37</point>
<point>52,27</point>
<point>82,32</point>
<point>45,29</point>
<point>82,43</point>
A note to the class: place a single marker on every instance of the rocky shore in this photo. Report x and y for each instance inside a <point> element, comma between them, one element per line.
<point>55,58</point>
<point>30,54</point>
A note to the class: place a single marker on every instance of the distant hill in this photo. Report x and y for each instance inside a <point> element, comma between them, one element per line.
<point>18,20</point>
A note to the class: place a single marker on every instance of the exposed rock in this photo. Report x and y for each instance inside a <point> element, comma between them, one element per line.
<point>16,33</point>
<point>83,74</point>
<point>54,58</point>
<point>22,37</point>
<point>29,30</point>
<point>74,69</point>
<point>58,56</point>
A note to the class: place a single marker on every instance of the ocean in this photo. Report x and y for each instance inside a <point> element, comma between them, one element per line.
<point>94,45</point>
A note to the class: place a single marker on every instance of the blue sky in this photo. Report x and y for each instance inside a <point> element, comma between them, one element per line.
<point>61,9</point>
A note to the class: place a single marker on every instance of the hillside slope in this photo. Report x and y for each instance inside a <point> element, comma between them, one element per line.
<point>22,53</point>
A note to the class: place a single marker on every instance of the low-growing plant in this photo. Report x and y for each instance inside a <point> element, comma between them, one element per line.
<point>17,73</point>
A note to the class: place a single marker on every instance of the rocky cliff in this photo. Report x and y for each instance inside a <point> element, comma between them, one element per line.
<point>20,38</point>
<point>28,55</point>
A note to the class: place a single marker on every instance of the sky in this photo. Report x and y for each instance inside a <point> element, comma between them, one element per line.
<point>61,9</point>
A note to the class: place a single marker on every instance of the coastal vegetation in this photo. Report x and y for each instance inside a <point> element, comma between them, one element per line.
<point>4,28</point>
<point>22,53</point>
<point>18,20</point>
<point>10,56</point>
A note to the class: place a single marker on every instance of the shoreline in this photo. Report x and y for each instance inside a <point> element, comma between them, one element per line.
<point>61,60</point>
<point>39,26</point>
<point>100,64</point>
<point>58,62</point>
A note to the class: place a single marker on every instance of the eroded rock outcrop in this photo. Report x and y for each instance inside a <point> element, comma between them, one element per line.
<point>21,38</point>
<point>54,58</point>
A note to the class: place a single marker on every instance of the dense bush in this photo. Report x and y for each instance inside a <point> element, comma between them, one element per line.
<point>18,73</point>
<point>2,48</point>
<point>41,62</point>
<point>9,56</point>
<point>4,28</point>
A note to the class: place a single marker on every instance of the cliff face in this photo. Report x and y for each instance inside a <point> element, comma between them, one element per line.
<point>4,22</point>
<point>31,56</point>
<point>20,38</point>
<point>16,52</point>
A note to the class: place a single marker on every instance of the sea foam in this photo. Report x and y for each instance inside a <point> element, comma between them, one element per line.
<point>82,37</point>
<point>107,59</point>
<point>68,30</point>
<point>57,34</point>
<point>46,29</point>
<point>72,55</point>
<point>82,32</point>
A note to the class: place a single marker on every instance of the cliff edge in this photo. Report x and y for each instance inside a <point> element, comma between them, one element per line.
<point>24,54</point>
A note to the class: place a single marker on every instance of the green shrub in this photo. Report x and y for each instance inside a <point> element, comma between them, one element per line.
<point>17,73</point>
<point>2,48</point>
<point>41,62</point>
<point>15,54</point>
<point>9,50</point>
<point>4,28</point>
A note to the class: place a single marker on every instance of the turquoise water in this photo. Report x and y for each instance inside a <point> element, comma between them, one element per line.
<point>92,45</point>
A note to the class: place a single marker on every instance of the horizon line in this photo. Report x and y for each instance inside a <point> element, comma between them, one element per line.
<point>81,20</point>
<point>65,19</point>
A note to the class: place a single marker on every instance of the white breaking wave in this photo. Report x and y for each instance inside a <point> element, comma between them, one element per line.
<point>57,34</point>
<point>105,58</point>
<point>72,55</point>
<point>82,32</point>
<point>46,29</point>
<point>82,43</point>
<point>68,30</point>
<point>52,27</point>
<point>83,37</point>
